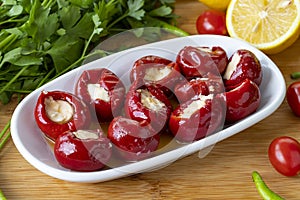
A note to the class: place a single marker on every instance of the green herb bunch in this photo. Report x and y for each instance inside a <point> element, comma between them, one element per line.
<point>40,40</point>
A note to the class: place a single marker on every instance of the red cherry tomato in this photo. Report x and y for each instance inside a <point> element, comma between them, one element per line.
<point>284,155</point>
<point>212,22</point>
<point>293,97</point>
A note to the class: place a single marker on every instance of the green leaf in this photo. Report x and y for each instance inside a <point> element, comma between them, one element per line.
<point>69,16</point>
<point>82,3</point>
<point>41,24</point>
<point>8,2</point>
<point>31,84</point>
<point>136,9</point>
<point>68,46</point>
<point>15,10</point>
<point>16,57</point>
<point>167,1</point>
<point>5,97</point>
<point>161,11</point>
<point>84,28</point>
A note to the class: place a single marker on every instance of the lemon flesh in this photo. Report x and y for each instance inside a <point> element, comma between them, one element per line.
<point>269,25</point>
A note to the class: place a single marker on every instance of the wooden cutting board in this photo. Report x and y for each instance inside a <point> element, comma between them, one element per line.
<point>225,173</point>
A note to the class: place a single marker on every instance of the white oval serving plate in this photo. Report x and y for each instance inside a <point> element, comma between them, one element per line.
<point>35,148</point>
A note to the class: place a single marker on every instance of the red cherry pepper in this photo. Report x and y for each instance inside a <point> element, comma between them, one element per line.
<point>148,104</point>
<point>57,112</point>
<point>188,89</point>
<point>199,61</point>
<point>242,101</point>
<point>293,97</point>
<point>103,91</point>
<point>197,118</point>
<point>242,64</point>
<point>132,141</point>
<point>156,70</point>
<point>83,150</point>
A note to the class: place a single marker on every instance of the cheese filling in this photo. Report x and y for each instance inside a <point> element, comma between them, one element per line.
<point>232,66</point>
<point>97,92</point>
<point>150,101</point>
<point>194,106</point>
<point>58,111</point>
<point>156,74</point>
<point>82,134</point>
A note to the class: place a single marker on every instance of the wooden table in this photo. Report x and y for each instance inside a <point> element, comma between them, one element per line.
<point>225,173</point>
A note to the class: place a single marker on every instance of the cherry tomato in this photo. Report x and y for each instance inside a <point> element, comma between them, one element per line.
<point>212,22</point>
<point>284,155</point>
<point>293,97</point>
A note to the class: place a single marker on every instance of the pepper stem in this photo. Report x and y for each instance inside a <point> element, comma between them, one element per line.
<point>295,75</point>
<point>263,189</point>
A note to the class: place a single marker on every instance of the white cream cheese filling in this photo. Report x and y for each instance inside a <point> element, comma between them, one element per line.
<point>59,111</point>
<point>97,92</point>
<point>156,74</point>
<point>150,101</point>
<point>194,106</point>
<point>83,135</point>
<point>232,66</point>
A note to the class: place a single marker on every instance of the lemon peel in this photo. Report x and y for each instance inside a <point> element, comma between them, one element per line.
<point>216,4</point>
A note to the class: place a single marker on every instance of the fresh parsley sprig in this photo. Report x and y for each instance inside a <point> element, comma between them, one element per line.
<point>48,38</point>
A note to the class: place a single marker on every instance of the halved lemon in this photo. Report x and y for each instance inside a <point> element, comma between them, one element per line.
<point>216,4</point>
<point>269,25</point>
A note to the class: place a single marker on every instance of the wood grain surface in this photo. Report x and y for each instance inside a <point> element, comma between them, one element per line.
<point>225,173</point>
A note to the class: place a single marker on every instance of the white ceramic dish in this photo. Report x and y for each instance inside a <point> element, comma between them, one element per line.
<point>36,149</point>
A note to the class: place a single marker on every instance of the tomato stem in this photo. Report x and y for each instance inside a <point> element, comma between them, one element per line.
<point>295,75</point>
<point>263,189</point>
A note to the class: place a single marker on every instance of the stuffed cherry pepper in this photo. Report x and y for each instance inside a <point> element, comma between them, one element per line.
<point>132,140</point>
<point>242,101</point>
<point>148,104</point>
<point>197,118</point>
<point>188,89</point>
<point>103,91</point>
<point>243,64</point>
<point>83,150</point>
<point>156,70</point>
<point>57,111</point>
<point>198,61</point>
